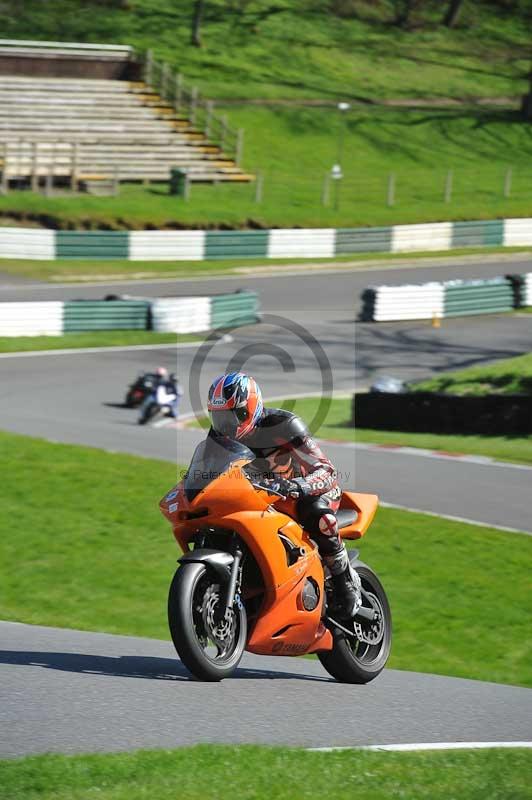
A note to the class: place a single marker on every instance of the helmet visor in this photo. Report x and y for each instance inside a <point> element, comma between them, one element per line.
<point>227,421</point>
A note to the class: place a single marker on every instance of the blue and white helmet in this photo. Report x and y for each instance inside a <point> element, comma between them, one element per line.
<point>235,405</point>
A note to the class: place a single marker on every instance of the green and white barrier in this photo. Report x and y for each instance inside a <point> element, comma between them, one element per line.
<point>173,315</point>
<point>277,243</point>
<point>444,299</point>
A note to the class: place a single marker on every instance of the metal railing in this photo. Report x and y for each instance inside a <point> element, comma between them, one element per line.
<point>171,87</point>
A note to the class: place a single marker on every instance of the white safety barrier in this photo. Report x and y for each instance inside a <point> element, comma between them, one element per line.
<point>302,243</point>
<point>527,290</point>
<point>31,319</point>
<point>411,238</point>
<point>181,314</point>
<point>167,245</point>
<point>517,232</point>
<point>34,243</point>
<point>409,302</point>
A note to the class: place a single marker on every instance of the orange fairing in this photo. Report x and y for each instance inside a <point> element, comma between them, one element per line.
<point>365,505</point>
<point>230,502</point>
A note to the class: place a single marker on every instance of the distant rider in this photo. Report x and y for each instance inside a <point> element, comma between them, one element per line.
<point>166,391</point>
<point>294,465</point>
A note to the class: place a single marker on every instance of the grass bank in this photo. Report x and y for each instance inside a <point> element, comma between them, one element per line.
<point>294,149</point>
<point>247,772</point>
<point>337,426</point>
<point>506,376</point>
<point>83,523</point>
<point>339,51</point>
<point>20,344</point>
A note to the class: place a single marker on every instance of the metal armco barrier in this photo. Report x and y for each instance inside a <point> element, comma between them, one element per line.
<point>200,245</point>
<point>105,315</point>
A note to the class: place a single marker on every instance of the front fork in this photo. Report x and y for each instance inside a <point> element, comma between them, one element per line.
<point>233,584</point>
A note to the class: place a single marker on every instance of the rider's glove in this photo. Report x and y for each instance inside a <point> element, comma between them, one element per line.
<point>303,488</point>
<point>283,487</point>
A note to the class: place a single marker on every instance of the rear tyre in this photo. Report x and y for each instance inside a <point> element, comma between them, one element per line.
<point>209,645</point>
<point>361,657</point>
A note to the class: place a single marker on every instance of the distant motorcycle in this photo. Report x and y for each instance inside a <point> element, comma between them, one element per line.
<point>162,401</point>
<point>140,389</point>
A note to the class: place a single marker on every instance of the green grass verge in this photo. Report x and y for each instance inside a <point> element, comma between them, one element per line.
<point>213,772</point>
<point>17,344</point>
<point>336,426</point>
<point>83,523</point>
<point>505,376</point>
<point>295,148</point>
<point>86,270</point>
<point>345,51</point>
<point>337,51</point>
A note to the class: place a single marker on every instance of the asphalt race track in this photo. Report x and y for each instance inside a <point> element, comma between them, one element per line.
<point>75,692</point>
<point>69,691</point>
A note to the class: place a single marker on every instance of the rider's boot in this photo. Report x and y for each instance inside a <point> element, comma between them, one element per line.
<point>346,584</point>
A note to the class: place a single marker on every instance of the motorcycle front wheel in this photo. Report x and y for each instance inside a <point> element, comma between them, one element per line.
<point>209,641</point>
<point>360,657</point>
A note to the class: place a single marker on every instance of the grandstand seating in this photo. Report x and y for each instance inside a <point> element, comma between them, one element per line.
<point>83,129</point>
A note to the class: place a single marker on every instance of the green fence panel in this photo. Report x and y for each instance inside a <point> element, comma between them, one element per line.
<point>231,310</point>
<point>363,240</point>
<point>236,244</point>
<point>92,244</point>
<point>478,297</point>
<point>478,234</point>
<point>106,315</point>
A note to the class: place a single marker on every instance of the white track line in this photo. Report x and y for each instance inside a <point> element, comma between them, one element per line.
<point>282,270</point>
<point>452,518</point>
<point>484,461</point>
<point>88,350</point>
<point>425,746</point>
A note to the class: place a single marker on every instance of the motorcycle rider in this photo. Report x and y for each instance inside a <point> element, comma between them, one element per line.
<point>293,465</point>
<point>166,392</point>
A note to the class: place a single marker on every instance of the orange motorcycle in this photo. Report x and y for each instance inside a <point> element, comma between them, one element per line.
<point>250,578</point>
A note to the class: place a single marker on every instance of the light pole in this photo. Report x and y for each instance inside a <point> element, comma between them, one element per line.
<point>336,171</point>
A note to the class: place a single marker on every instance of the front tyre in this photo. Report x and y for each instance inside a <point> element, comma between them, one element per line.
<point>361,657</point>
<point>208,643</point>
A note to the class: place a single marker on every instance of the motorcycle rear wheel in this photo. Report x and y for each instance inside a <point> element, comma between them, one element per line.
<point>209,647</point>
<point>353,661</point>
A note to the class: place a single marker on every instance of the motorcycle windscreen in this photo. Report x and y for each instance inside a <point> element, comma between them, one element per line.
<point>211,459</point>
